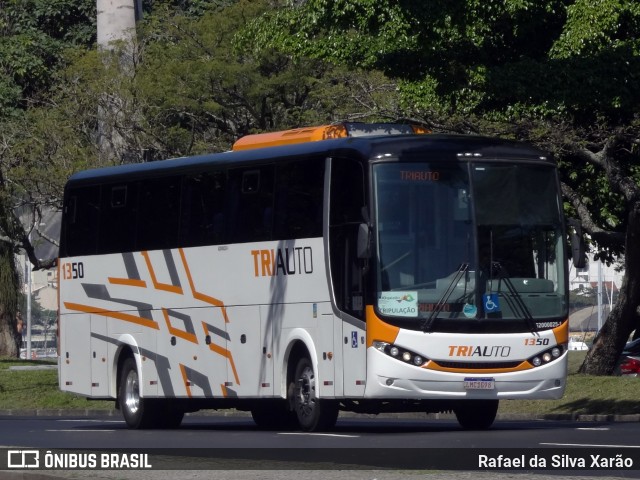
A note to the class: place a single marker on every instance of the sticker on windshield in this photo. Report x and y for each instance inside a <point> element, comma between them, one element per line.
<point>469,310</point>
<point>399,304</point>
<point>491,302</point>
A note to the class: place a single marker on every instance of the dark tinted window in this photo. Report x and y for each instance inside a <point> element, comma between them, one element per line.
<point>250,204</point>
<point>299,192</point>
<point>159,213</point>
<point>347,200</point>
<point>81,215</point>
<point>347,192</point>
<point>203,215</point>
<point>118,218</point>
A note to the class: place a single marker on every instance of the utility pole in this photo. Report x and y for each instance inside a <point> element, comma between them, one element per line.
<point>116,29</point>
<point>116,20</point>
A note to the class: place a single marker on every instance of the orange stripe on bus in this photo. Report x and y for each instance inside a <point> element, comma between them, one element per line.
<point>158,285</point>
<point>201,296</point>
<point>432,365</point>
<point>130,282</point>
<point>190,337</point>
<point>562,333</point>
<point>379,330</point>
<point>185,380</point>
<point>145,322</point>
<point>223,352</point>
<point>58,317</point>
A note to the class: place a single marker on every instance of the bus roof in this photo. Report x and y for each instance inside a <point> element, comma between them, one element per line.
<point>324,132</point>
<point>410,147</point>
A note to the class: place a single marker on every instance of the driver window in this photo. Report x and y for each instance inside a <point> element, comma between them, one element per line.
<point>346,203</point>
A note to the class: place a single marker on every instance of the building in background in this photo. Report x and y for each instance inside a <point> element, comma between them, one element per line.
<point>43,289</point>
<point>587,284</point>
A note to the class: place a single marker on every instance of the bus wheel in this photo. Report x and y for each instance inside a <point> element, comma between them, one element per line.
<point>137,412</point>
<point>312,412</point>
<point>476,414</point>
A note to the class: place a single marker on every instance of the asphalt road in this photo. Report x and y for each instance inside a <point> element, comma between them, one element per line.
<point>362,442</point>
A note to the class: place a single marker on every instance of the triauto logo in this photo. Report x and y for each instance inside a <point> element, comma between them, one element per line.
<point>495,351</point>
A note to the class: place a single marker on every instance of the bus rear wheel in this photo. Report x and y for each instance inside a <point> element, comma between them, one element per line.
<point>312,412</point>
<point>137,411</point>
<point>476,414</point>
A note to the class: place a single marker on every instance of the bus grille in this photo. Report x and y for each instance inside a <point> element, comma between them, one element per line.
<point>478,365</point>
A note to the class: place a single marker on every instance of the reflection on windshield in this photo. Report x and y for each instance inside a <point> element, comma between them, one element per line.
<point>513,258</point>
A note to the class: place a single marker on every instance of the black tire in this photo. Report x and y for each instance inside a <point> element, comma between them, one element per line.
<point>167,415</point>
<point>313,413</point>
<point>476,414</point>
<point>269,415</point>
<point>137,411</point>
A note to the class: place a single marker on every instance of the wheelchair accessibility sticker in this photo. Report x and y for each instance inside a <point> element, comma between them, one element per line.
<point>491,302</point>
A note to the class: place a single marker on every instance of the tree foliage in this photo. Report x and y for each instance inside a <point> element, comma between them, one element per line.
<point>560,73</point>
<point>563,74</point>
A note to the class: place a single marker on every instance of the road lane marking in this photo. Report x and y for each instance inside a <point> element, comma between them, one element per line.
<point>83,430</point>
<point>311,434</point>
<point>589,445</point>
<point>91,421</point>
<point>593,428</point>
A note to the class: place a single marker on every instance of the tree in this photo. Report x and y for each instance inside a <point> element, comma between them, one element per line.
<point>35,34</point>
<point>190,91</point>
<point>184,91</point>
<point>560,73</point>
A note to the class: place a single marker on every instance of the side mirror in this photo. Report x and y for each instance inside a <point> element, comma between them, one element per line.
<point>578,247</point>
<point>364,241</point>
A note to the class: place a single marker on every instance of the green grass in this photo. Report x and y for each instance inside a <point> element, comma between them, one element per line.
<point>38,390</point>
<point>585,395</point>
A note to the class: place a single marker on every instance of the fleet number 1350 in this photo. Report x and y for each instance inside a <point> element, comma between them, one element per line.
<point>72,270</point>
<point>536,341</point>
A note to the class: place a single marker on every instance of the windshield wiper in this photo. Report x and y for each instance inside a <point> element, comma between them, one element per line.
<point>518,306</point>
<point>462,270</point>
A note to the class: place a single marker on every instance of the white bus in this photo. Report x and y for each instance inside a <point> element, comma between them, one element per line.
<point>362,268</point>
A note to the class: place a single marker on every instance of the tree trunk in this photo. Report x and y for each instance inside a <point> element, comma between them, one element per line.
<point>9,288</point>
<point>623,319</point>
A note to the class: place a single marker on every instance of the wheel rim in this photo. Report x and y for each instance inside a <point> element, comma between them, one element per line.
<point>306,392</point>
<point>132,392</point>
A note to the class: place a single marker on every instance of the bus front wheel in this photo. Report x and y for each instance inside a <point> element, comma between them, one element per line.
<point>476,414</point>
<point>312,412</point>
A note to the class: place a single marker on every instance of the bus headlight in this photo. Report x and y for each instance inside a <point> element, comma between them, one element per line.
<point>400,353</point>
<point>547,356</point>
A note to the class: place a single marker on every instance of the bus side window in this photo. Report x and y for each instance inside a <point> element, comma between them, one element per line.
<point>203,215</point>
<point>118,218</point>
<point>298,202</point>
<point>159,213</point>
<point>347,199</point>
<point>82,213</point>
<point>249,204</point>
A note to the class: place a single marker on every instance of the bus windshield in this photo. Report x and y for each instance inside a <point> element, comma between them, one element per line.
<point>460,241</point>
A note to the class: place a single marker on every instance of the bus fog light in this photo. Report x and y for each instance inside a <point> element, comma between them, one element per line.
<point>406,356</point>
<point>389,382</point>
<point>546,357</point>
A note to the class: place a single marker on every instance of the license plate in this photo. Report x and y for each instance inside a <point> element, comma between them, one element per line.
<point>482,383</point>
